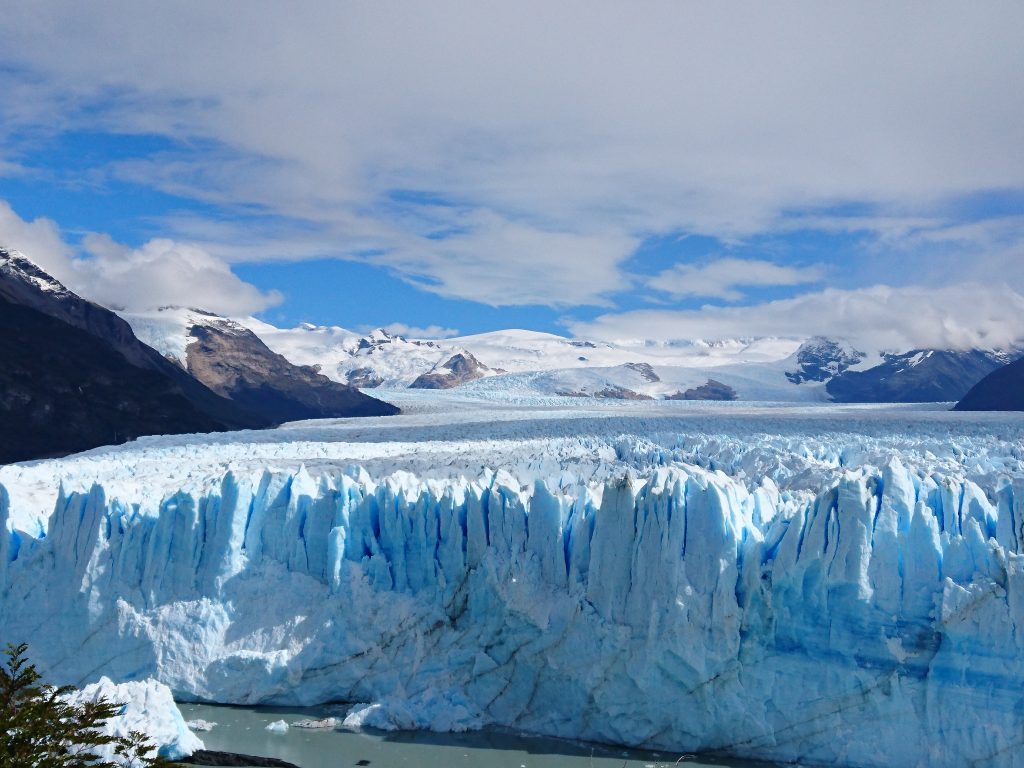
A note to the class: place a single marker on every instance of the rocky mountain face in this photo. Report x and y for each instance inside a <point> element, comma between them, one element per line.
<point>233,362</point>
<point>646,371</point>
<point>917,376</point>
<point>821,359</point>
<point>611,392</point>
<point>73,375</point>
<point>711,390</point>
<point>1001,390</point>
<point>457,369</point>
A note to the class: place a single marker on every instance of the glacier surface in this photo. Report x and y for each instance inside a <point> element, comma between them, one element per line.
<point>829,586</point>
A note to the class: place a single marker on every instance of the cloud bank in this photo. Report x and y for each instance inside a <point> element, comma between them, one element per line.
<point>520,153</point>
<point>464,146</point>
<point>875,318</point>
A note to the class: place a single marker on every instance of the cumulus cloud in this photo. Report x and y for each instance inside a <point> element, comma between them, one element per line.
<point>160,272</point>
<point>40,239</point>
<point>163,272</point>
<point>722,278</point>
<point>573,122</point>
<point>876,318</point>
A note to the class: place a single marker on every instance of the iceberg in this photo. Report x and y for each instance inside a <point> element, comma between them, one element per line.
<point>148,707</point>
<point>278,726</point>
<point>878,621</point>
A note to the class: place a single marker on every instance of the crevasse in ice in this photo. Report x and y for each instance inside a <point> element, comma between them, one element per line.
<point>880,623</point>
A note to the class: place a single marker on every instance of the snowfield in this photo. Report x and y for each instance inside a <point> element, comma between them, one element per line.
<point>754,368</point>
<point>830,584</point>
<point>398,361</point>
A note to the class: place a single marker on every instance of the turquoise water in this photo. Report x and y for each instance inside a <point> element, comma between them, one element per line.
<point>243,729</point>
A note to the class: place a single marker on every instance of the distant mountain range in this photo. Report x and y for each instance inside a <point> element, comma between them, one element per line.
<point>234,362</point>
<point>816,369</point>
<point>76,375</point>
<point>73,375</point>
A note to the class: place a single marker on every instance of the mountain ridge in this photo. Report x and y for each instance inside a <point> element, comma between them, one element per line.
<point>229,358</point>
<point>813,369</point>
<point>75,376</point>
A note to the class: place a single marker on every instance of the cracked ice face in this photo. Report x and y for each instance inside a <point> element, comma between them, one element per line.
<point>595,577</point>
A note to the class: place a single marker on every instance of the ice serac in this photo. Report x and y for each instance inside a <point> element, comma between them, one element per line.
<point>877,623</point>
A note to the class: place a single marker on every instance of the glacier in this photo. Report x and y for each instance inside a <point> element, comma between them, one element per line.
<point>875,620</point>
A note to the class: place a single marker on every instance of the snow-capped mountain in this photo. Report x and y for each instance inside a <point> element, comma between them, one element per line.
<point>919,375</point>
<point>231,360</point>
<point>75,375</point>
<point>820,359</point>
<point>815,369</point>
<point>541,362</point>
<point>395,361</point>
<point>371,360</point>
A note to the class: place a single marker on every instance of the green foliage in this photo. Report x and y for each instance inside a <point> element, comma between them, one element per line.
<point>40,729</point>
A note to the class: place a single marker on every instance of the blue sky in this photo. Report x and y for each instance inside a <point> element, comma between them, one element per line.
<point>590,169</point>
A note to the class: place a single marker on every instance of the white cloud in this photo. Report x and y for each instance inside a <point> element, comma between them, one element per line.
<point>163,272</point>
<point>722,278</point>
<point>571,123</point>
<point>7,168</point>
<point>499,262</point>
<point>415,332</point>
<point>159,273</point>
<point>39,239</point>
<point>880,317</point>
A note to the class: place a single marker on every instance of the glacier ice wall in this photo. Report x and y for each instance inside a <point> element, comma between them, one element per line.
<point>880,623</point>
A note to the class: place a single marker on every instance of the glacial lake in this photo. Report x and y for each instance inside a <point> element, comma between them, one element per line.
<point>243,730</point>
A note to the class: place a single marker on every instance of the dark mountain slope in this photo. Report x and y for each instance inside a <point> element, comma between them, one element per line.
<point>64,390</point>
<point>918,376</point>
<point>74,376</point>
<point>1001,390</point>
<point>23,283</point>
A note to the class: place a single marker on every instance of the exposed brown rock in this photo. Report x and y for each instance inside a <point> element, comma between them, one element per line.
<point>645,370</point>
<point>711,390</point>
<point>364,378</point>
<point>609,393</point>
<point>233,362</point>
<point>458,369</point>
